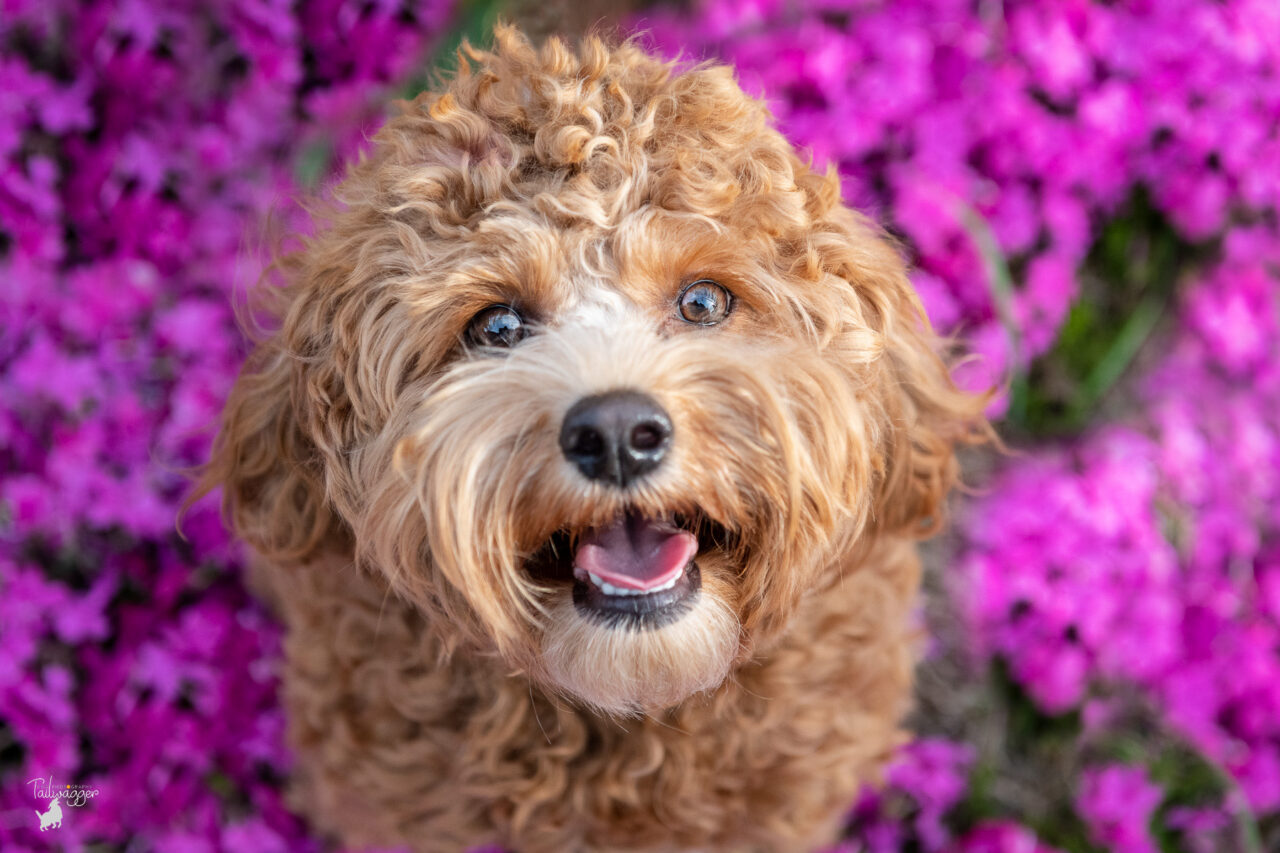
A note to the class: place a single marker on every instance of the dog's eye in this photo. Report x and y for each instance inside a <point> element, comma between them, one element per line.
<point>496,326</point>
<point>705,303</point>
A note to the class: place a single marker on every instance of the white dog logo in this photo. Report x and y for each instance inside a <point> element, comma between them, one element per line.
<point>51,818</point>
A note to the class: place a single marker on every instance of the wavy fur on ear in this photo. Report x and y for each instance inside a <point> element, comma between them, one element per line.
<point>926,415</point>
<point>269,472</point>
<point>458,688</point>
<point>274,457</point>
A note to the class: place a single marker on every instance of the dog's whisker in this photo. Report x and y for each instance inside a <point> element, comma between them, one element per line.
<point>533,705</point>
<point>382,608</point>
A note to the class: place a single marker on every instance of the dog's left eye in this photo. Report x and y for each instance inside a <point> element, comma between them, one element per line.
<point>497,326</point>
<point>705,302</point>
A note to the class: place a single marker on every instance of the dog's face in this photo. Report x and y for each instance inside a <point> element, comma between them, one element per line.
<point>596,372</point>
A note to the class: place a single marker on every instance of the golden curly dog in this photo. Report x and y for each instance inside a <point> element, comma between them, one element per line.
<point>585,469</point>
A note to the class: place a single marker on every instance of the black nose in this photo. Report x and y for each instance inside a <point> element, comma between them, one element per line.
<point>616,437</point>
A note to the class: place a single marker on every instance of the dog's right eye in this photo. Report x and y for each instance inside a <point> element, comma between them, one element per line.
<point>705,302</point>
<point>496,326</point>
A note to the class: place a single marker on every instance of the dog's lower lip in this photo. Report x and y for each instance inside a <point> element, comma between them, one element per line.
<point>644,610</point>
<point>553,565</point>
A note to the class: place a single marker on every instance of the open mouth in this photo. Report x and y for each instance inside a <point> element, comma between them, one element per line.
<point>638,571</point>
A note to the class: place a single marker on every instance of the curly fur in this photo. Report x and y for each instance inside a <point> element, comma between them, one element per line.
<point>395,482</point>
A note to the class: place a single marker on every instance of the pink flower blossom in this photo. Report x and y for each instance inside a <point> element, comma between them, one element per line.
<point>1118,802</point>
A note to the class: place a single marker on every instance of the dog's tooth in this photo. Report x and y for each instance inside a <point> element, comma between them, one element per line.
<point>609,589</point>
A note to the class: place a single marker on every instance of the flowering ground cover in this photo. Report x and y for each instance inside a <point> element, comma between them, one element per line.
<point>1088,195</point>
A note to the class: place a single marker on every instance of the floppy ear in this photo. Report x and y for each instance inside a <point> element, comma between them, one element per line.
<point>284,455</point>
<point>924,416</point>
<point>928,416</point>
<point>271,455</point>
<point>273,491</point>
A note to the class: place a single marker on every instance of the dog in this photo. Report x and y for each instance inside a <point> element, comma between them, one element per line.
<point>51,819</point>
<point>585,466</point>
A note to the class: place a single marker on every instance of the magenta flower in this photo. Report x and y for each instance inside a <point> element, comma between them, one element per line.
<point>1001,837</point>
<point>1117,802</point>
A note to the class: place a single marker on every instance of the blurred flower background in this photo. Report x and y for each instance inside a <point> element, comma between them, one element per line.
<point>1088,193</point>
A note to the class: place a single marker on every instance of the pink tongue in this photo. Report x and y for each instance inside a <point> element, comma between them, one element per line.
<point>636,552</point>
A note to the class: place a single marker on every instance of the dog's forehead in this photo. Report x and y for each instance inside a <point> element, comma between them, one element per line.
<point>582,272</point>
<point>595,304</point>
<point>594,289</point>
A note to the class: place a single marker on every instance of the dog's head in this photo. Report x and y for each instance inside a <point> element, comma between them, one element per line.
<point>596,371</point>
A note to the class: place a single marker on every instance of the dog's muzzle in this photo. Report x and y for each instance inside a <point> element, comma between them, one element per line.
<point>636,570</point>
<point>616,437</point>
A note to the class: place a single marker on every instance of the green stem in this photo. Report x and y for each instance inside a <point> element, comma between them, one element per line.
<point>1113,364</point>
<point>1000,282</point>
<point>1234,797</point>
<point>1238,803</point>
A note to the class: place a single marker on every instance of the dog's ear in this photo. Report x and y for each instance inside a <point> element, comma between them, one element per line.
<point>268,458</point>
<point>927,415</point>
<point>923,415</point>
<point>269,470</point>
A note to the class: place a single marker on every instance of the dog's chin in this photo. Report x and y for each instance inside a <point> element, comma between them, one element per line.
<point>628,652</point>
<point>632,671</point>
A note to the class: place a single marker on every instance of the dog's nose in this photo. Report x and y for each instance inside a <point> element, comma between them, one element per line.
<point>616,437</point>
